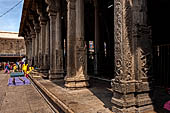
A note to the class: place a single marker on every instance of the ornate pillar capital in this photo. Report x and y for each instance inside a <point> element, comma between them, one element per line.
<point>42,17</point>
<point>36,26</point>
<point>53,7</point>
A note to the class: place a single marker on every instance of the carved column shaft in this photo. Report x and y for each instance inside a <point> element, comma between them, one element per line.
<point>143,47</point>
<point>71,31</point>
<point>123,84</point>
<point>59,49</point>
<point>33,47</point>
<point>47,46</point>
<point>43,22</point>
<point>80,79</point>
<point>26,44</point>
<point>52,42</point>
<point>29,49</point>
<point>37,31</point>
<point>56,59</point>
<point>132,57</point>
<point>30,52</point>
<point>35,58</point>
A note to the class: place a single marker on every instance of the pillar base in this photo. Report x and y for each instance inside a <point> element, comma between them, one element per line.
<point>131,97</point>
<point>56,74</point>
<point>76,82</point>
<point>45,73</point>
<point>124,110</point>
<point>144,109</point>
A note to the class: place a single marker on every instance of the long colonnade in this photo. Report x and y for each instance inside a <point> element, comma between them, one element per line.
<point>56,56</point>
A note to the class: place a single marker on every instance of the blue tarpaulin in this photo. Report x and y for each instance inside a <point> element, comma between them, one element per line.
<point>17,74</point>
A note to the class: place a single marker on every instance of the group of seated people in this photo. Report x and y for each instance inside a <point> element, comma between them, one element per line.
<point>18,67</point>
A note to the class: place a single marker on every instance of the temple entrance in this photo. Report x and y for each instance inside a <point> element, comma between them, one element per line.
<point>99,28</point>
<point>158,19</point>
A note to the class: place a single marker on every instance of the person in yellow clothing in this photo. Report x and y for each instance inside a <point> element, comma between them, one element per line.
<point>14,68</point>
<point>24,68</point>
<point>29,70</point>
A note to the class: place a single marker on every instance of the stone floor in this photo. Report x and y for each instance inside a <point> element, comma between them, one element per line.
<point>20,99</point>
<point>96,99</point>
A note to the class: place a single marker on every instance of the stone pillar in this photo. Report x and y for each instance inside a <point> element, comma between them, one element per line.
<point>29,50</point>
<point>33,45</point>
<point>132,54</point>
<point>56,51</point>
<point>143,58</point>
<point>40,49</point>
<point>71,31</point>
<point>79,78</point>
<point>43,22</point>
<point>37,31</point>
<point>26,45</point>
<point>99,43</point>
<point>47,47</point>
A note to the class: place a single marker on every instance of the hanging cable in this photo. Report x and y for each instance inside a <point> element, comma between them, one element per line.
<point>11,9</point>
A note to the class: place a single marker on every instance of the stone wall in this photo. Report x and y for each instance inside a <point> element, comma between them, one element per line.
<point>12,46</point>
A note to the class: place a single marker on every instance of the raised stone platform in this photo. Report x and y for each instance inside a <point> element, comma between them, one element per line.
<point>96,99</point>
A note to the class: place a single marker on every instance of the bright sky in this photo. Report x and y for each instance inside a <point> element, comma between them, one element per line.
<point>10,21</point>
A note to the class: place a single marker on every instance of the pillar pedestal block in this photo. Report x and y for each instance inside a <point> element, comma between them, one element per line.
<point>77,82</point>
<point>123,96</point>
<point>56,74</point>
<point>131,97</point>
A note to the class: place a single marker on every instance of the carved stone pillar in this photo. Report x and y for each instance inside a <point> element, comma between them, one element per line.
<point>47,47</point>
<point>26,45</point>
<point>56,51</point>
<point>37,31</point>
<point>124,82</point>
<point>33,47</point>
<point>71,31</point>
<point>43,22</point>
<point>143,58</point>
<point>99,43</point>
<point>79,78</point>
<point>29,50</point>
<point>33,36</point>
<point>132,60</point>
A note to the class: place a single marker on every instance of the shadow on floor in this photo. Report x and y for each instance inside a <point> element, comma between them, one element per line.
<point>101,89</point>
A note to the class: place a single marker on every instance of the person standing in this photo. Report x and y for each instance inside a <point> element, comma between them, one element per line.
<point>7,68</point>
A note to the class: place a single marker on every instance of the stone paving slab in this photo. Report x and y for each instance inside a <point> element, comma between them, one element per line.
<point>20,99</point>
<point>87,100</point>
